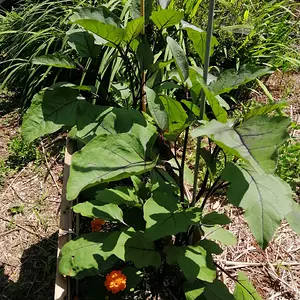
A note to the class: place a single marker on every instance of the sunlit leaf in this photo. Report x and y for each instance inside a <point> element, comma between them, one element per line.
<point>231,79</point>
<point>220,234</point>
<point>219,112</point>
<point>198,38</point>
<point>49,111</point>
<point>180,58</point>
<point>107,158</point>
<point>166,18</point>
<point>176,115</point>
<point>111,33</point>
<point>83,256</point>
<point>157,109</point>
<point>100,21</point>
<point>244,290</point>
<point>100,210</point>
<point>133,29</point>
<point>54,60</point>
<point>132,246</point>
<point>256,140</point>
<point>117,195</point>
<point>265,198</point>
<point>101,14</point>
<point>96,120</point>
<point>165,216</point>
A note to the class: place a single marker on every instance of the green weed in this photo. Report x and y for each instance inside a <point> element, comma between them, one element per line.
<point>21,153</point>
<point>288,163</point>
<point>17,209</point>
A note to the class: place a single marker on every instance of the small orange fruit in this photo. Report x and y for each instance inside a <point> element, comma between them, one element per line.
<point>115,281</point>
<point>97,224</point>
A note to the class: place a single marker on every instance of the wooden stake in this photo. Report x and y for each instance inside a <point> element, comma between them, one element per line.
<point>144,99</point>
<point>62,284</point>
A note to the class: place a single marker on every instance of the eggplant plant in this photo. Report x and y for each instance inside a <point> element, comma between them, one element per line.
<point>128,153</point>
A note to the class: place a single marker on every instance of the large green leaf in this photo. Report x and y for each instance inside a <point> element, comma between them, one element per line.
<point>256,140</point>
<point>96,120</point>
<point>133,29</point>
<point>49,111</point>
<point>157,109</point>
<point>98,209</point>
<point>107,158</point>
<point>165,216</point>
<point>101,14</point>
<point>176,115</point>
<point>293,217</point>
<point>118,195</point>
<point>180,59</point>
<point>265,198</point>
<point>132,246</point>
<point>61,105</point>
<point>166,18</point>
<point>83,42</point>
<point>219,234</point>
<point>198,38</point>
<point>109,32</point>
<point>244,290</point>
<point>100,21</point>
<point>83,256</point>
<point>231,79</point>
<point>194,262</point>
<point>55,60</point>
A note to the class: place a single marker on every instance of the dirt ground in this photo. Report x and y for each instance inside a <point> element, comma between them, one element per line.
<point>28,240</point>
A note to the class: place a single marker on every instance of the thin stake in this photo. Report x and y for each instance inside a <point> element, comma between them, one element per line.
<point>143,93</point>
<point>202,99</point>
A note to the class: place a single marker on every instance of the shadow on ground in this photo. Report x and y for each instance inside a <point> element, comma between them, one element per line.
<point>37,275</point>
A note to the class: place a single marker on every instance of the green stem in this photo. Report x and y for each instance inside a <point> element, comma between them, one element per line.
<point>86,68</point>
<point>182,190</point>
<point>202,99</point>
<point>204,184</point>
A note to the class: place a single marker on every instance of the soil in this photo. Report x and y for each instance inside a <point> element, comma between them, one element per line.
<point>28,240</point>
